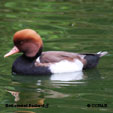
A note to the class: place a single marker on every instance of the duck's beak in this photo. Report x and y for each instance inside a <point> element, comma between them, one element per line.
<point>12,51</point>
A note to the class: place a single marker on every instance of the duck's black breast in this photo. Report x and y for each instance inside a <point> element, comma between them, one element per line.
<point>25,66</point>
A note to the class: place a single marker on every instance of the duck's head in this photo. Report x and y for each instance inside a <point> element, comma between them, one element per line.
<point>26,41</point>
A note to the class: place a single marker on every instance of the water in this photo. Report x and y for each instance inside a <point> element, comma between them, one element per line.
<point>68,25</point>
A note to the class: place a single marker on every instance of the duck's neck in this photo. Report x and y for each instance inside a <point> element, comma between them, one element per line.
<point>36,56</point>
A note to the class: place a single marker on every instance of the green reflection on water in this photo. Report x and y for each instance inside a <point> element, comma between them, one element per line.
<point>68,25</point>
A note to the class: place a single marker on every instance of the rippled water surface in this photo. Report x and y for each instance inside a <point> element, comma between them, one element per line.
<point>68,25</point>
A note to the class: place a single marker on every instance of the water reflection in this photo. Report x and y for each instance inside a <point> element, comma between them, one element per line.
<point>30,89</point>
<point>15,94</point>
<point>68,76</point>
<point>50,80</point>
<point>38,89</point>
<point>93,74</point>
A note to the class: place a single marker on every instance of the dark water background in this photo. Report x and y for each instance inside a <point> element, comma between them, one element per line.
<point>68,25</point>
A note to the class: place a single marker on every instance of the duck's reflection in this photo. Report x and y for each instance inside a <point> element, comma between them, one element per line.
<point>15,94</point>
<point>42,89</point>
<point>37,89</point>
<point>79,75</point>
<point>68,76</point>
<point>40,86</point>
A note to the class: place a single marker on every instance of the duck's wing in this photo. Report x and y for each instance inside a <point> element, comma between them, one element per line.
<point>88,60</point>
<point>57,56</point>
<point>61,62</point>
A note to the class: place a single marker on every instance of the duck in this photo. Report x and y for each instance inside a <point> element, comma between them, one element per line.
<point>34,61</point>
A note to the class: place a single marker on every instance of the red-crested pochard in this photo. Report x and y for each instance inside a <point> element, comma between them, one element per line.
<point>35,62</point>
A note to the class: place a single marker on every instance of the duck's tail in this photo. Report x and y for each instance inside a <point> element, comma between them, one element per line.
<point>101,54</point>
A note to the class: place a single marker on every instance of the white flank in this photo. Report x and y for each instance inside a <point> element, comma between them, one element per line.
<point>66,66</point>
<point>38,59</point>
